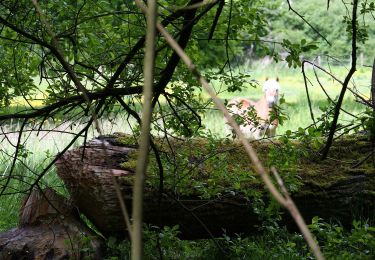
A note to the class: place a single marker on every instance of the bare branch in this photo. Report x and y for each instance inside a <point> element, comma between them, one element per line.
<point>352,70</point>
<point>292,208</point>
<point>54,48</point>
<point>216,19</point>
<point>196,5</point>
<point>144,143</point>
<point>307,93</point>
<point>249,149</point>
<point>18,147</point>
<point>363,100</point>
<point>74,99</point>
<point>308,23</point>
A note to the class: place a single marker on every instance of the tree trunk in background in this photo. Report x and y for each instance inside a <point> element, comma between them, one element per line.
<point>89,181</point>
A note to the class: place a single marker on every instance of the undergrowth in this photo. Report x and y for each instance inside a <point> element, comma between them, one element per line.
<point>275,243</point>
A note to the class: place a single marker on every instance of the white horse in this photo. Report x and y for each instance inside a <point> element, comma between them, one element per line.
<point>255,116</point>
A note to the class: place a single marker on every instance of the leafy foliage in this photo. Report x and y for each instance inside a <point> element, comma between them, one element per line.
<point>277,243</point>
<point>295,50</point>
<point>367,123</point>
<point>333,23</point>
<point>340,244</point>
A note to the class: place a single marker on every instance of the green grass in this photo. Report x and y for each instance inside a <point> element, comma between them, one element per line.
<point>37,153</point>
<point>34,157</point>
<point>294,91</point>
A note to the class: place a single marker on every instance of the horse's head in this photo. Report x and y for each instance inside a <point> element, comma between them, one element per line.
<point>271,90</point>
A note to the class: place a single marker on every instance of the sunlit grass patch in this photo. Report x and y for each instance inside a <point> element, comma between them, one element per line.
<point>294,90</point>
<point>21,102</point>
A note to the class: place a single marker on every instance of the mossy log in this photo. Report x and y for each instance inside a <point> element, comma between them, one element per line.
<point>49,229</point>
<point>328,190</point>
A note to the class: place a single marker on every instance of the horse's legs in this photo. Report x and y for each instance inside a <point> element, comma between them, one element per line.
<point>271,130</point>
<point>258,134</point>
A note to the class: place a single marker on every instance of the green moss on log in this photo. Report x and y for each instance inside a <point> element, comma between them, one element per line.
<point>127,140</point>
<point>212,167</point>
<point>131,161</point>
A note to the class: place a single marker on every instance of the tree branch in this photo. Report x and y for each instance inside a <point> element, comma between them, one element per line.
<point>216,19</point>
<point>352,70</point>
<point>144,143</point>
<point>309,24</point>
<point>249,149</point>
<point>74,99</point>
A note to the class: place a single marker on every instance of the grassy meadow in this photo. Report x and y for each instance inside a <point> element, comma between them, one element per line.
<point>293,90</point>
<point>40,148</point>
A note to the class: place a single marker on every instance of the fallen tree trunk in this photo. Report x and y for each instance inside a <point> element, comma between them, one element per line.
<point>49,229</point>
<point>344,195</point>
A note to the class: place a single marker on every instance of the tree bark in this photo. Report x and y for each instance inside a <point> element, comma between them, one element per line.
<point>87,176</point>
<point>49,229</point>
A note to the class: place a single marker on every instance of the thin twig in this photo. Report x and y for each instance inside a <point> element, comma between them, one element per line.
<point>195,6</point>
<point>80,87</point>
<point>191,211</point>
<point>18,148</point>
<point>216,19</point>
<point>363,100</point>
<point>308,23</point>
<point>307,93</point>
<point>123,207</point>
<point>144,143</point>
<point>292,208</point>
<point>352,70</point>
<point>327,95</point>
<point>249,149</point>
